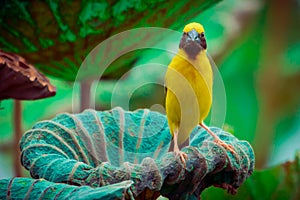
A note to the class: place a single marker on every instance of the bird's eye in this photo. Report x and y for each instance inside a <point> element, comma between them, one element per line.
<point>202,35</point>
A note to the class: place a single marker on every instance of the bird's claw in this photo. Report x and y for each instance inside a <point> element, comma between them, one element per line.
<point>183,156</point>
<point>226,146</point>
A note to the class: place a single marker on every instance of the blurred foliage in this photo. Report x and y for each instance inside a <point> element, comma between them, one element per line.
<point>68,31</point>
<point>255,44</point>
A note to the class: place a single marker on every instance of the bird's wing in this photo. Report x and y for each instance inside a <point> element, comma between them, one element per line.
<point>212,63</point>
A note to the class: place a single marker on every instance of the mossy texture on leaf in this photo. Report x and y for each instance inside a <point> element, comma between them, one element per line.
<point>102,148</point>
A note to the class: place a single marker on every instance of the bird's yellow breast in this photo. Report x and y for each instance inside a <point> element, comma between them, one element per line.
<point>189,94</point>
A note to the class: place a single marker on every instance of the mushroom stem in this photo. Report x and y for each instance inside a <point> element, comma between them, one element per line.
<point>17,136</point>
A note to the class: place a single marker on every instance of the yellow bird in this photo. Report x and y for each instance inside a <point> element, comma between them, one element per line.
<point>189,81</point>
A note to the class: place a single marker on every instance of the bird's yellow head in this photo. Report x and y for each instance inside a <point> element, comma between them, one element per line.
<point>198,27</point>
<point>193,39</point>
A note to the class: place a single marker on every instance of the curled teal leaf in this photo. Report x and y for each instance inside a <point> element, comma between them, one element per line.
<point>98,149</point>
<point>26,188</point>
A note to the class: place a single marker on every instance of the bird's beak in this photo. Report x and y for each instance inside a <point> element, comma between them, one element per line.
<point>193,35</point>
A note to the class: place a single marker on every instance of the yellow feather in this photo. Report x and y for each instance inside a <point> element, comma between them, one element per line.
<point>198,27</point>
<point>189,94</point>
<point>189,80</point>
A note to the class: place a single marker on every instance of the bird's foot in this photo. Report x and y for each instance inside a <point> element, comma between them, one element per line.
<point>226,146</point>
<point>183,156</point>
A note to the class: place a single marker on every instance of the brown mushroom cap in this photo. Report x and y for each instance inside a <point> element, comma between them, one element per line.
<point>22,81</point>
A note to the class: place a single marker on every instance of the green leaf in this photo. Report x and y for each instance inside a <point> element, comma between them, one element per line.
<point>22,188</point>
<point>70,30</point>
<point>291,61</point>
<point>102,148</point>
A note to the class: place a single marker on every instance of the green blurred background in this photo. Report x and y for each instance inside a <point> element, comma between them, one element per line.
<point>255,44</point>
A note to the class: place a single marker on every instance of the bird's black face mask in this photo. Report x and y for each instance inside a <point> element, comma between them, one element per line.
<point>192,43</point>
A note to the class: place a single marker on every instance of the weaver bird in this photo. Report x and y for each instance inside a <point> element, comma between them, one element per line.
<point>189,80</point>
